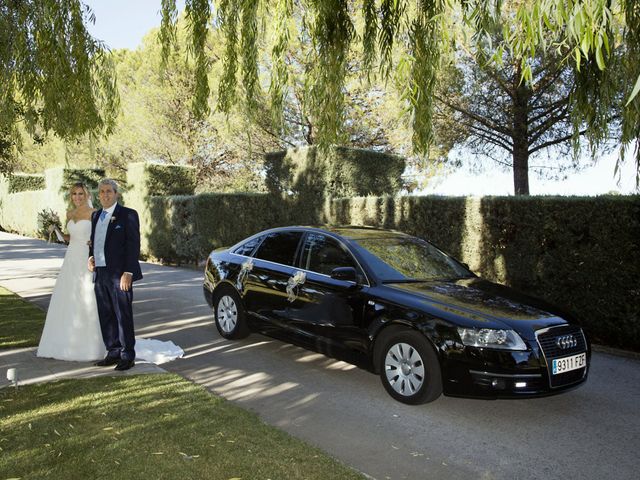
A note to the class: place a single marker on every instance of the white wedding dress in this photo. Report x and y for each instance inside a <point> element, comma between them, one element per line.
<point>72,328</point>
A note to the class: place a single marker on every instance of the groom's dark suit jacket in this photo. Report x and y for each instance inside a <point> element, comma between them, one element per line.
<point>122,243</point>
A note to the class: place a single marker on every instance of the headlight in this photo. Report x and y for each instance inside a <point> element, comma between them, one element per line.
<point>491,338</point>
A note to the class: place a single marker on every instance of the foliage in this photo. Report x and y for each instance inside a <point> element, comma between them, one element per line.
<point>54,75</point>
<point>580,30</point>
<point>169,179</point>
<point>21,182</point>
<point>158,122</point>
<point>514,120</point>
<point>336,172</point>
<point>20,321</point>
<point>159,426</point>
<point>174,237</point>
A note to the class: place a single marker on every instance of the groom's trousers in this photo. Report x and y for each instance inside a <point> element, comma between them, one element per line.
<point>116,315</point>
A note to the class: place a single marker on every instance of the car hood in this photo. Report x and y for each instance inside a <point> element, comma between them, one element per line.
<point>478,302</point>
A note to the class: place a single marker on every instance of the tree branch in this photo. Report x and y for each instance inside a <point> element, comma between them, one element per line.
<point>554,142</point>
<point>477,118</point>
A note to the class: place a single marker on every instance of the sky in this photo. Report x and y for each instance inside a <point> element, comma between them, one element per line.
<point>123,24</point>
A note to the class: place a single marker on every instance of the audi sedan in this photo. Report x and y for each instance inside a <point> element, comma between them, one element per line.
<point>397,306</point>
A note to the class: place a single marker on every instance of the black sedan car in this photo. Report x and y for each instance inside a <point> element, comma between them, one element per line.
<point>398,306</point>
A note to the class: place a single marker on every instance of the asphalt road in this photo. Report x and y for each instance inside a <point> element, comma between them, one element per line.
<point>592,432</point>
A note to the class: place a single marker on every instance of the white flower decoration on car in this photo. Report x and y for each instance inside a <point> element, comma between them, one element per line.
<point>298,279</point>
<point>244,273</point>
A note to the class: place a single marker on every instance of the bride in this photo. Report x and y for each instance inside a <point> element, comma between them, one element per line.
<point>72,329</point>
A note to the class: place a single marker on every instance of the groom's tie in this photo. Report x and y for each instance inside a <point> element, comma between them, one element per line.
<point>103,214</point>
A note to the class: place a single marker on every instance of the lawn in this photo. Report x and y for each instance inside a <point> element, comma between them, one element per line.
<point>21,322</point>
<point>145,426</point>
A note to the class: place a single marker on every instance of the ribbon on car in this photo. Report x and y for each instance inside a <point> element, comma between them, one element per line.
<point>292,284</point>
<point>244,273</point>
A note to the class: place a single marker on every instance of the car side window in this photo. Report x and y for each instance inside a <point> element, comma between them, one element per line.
<point>279,247</point>
<point>247,248</point>
<point>322,254</point>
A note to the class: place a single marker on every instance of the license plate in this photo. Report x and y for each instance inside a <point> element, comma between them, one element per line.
<point>562,365</point>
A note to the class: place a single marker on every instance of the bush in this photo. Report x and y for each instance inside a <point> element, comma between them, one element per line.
<point>340,172</point>
<point>23,182</point>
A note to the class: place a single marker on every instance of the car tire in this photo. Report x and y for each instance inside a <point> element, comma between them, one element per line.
<point>409,367</point>
<point>229,314</point>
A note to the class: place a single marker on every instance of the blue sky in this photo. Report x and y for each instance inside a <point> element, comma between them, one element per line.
<point>123,24</point>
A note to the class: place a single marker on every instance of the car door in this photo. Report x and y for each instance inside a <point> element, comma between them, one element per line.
<point>326,311</point>
<point>269,270</point>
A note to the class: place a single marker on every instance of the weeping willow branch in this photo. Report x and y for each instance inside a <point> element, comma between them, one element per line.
<point>631,66</point>
<point>332,32</point>
<point>424,35</point>
<point>198,16</point>
<point>167,35</point>
<point>54,76</point>
<point>280,74</point>
<point>585,33</point>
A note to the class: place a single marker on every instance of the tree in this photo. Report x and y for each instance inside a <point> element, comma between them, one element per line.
<point>583,29</point>
<point>55,77</point>
<point>512,119</point>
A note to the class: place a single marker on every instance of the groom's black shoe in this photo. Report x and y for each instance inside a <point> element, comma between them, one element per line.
<point>107,362</point>
<point>124,365</point>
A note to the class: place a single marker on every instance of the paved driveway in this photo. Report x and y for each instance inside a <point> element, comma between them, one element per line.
<point>590,433</point>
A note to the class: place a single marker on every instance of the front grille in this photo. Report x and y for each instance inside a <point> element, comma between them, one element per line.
<point>547,340</point>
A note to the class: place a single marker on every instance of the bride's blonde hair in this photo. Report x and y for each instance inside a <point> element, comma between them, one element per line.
<point>84,189</point>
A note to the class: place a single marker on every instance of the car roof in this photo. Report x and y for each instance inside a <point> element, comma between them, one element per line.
<point>351,232</point>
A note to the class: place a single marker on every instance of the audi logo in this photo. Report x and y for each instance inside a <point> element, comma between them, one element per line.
<point>566,341</point>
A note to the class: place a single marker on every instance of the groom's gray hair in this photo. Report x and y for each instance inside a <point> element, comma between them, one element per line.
<point>109,181</point>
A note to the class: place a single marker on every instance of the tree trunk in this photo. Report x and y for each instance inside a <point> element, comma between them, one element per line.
<point>521,169</point>
<point>520,137</point>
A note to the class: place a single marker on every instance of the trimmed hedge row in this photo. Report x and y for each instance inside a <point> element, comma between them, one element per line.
<point>341,172</point>
<point>24,182</point>
<point>184,229</point>
<point>582,254</point>
<point>19,210</point>
<point>579,253</point>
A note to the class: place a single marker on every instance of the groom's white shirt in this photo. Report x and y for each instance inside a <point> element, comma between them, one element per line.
<point>101,235</point>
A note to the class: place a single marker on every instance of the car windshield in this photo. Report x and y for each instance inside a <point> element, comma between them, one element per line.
<point>405,259</point>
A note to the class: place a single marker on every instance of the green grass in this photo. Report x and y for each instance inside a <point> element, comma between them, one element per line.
<point>21,322</point>
<point>145,426</point>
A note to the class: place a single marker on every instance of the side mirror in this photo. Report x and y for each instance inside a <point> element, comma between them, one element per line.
<point>344,273</point>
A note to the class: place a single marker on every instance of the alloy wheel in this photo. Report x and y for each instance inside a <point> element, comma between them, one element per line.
<point>404,369</point>
<point>227,314</point>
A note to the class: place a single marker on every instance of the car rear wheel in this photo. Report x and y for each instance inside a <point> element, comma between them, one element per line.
<point>229,314</point>
<point>409,368</point>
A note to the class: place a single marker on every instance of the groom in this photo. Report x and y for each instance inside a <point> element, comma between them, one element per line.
<point>113,257</point>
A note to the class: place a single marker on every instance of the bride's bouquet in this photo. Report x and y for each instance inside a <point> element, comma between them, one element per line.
<point>49,226</point>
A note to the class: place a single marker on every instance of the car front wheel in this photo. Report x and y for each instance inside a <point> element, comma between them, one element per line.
<point>229,314</point>
<point>409,368</point>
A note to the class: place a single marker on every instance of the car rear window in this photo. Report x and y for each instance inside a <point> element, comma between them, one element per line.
<point>248,247</point>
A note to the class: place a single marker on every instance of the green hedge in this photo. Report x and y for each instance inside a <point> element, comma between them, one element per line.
<point>582,254</point>
<point>173,236</point>
<point>19,210</point>
<point>340,172</point>
<point>166,180</point>
<point>24,182</point>
<point>579,253</point>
